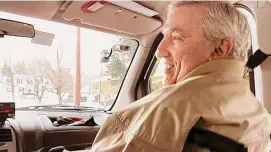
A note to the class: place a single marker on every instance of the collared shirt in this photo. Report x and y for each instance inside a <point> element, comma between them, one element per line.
<point>215,96</point>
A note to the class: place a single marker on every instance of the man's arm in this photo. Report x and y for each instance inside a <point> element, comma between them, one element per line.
<point>154,127</point>
<point>109,137</point>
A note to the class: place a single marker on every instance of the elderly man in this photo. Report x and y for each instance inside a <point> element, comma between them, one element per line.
<point>205,49</point>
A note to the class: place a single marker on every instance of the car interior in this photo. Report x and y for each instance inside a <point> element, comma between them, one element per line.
<point>124,64</point>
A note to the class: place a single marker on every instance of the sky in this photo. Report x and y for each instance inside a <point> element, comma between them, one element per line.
<point>21,49</point>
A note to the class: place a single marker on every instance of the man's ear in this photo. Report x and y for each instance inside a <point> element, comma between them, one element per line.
<point>223,49</point>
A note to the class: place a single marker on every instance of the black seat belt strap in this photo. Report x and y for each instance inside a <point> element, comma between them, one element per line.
<point>213,141</point>
<point>256,59</point>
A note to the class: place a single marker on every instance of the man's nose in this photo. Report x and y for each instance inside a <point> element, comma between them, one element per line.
<point>162,50</point>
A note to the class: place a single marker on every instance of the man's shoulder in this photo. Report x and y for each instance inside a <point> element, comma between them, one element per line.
<point>190,91</point>
<point>143,119</point>
<point>175,93</point>
<point>171,97</point>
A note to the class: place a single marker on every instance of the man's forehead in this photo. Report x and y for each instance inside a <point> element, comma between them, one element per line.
<point>188,8</point>
<point>181,19</point>
<point>186,12</point>
<point>175,25</point>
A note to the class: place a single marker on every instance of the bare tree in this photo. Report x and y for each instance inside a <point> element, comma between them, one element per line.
<point>60,78</point>
<point>36,80</point>
<point>20,68</point>
<point>9,73</point>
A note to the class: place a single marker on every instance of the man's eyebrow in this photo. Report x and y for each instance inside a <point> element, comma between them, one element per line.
<point>166,30</point>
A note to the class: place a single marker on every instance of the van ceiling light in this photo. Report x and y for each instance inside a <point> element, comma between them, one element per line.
<point>133,6</point>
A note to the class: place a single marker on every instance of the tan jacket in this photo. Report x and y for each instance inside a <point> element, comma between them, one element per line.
<point>214,96</point>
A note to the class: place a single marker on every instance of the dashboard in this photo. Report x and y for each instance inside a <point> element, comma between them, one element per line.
<point>34,130</point>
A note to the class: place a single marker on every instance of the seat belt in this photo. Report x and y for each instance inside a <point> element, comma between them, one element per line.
<point>213,141</point>
<point>256,59</point>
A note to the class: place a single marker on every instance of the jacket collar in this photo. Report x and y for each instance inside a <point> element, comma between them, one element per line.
<point>229,66</point>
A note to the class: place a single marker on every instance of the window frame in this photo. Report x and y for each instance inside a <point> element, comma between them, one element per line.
<point>21,89</point>
<point>142,84</point>
<point>19,81</point>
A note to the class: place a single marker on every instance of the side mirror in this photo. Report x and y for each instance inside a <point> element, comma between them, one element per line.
<point>121,48</point>
<point>106,54</point>
<point>15,28</point>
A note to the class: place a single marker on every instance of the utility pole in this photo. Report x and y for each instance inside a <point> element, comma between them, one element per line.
<point>77,97</point>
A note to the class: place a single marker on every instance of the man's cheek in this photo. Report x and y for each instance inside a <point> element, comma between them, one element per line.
<point>180,55</point>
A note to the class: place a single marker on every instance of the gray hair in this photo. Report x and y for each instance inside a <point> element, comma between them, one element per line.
<point>223,20</point>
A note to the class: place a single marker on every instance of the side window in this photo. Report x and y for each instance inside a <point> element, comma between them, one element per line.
<point>114,68</point>
<point>156,77</point>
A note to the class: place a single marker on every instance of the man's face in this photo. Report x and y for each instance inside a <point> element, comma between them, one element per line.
<point>184,46</point>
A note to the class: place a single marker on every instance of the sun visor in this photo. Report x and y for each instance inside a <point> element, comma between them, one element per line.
<point>110,16</point>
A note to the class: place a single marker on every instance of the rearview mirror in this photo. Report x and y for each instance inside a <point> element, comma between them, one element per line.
<point>15,28</point>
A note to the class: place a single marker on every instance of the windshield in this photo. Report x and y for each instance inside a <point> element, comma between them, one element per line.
<point>60,62</point>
